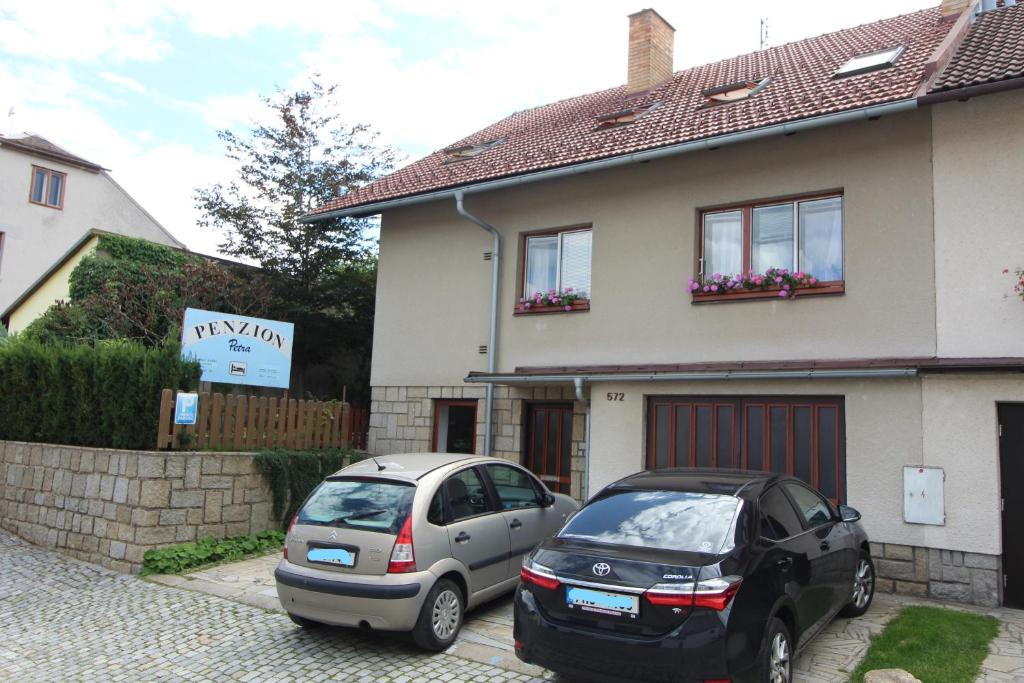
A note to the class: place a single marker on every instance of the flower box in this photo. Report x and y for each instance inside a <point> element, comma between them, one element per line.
<point>529,308</point>
<point>775,283</point>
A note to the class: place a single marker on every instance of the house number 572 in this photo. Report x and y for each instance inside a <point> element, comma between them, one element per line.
<point>616,396</point>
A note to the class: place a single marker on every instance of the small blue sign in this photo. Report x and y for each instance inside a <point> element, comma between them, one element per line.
<point>186,407</point>
<point>237,349</point>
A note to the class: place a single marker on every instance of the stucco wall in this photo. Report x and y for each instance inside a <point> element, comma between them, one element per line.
<point>55,288</point>
<point>979,224</point>
<point>433,284</point>
<point>36,236</point>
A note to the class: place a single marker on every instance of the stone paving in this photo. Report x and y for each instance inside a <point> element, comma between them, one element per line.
<point>61,618</point>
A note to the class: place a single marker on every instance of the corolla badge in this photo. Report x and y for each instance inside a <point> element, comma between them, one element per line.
<point>601,569</point>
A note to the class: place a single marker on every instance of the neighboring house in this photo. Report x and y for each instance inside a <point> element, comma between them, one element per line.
<point>50,198</point>
<point>885,160</point>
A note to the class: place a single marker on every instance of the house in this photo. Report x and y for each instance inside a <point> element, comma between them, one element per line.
<point>879,166</point>
<point>49,199</point>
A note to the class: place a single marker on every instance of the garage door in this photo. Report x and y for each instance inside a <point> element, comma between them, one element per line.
<point>799,435</point>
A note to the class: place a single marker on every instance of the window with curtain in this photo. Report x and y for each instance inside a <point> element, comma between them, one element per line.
<point>558,261</point>
<point>798,235</point>
<point>47,187</point>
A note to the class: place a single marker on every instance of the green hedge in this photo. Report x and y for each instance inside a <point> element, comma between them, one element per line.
<point>292,475</point>
<point>105,394</point>
<point>205,551</point>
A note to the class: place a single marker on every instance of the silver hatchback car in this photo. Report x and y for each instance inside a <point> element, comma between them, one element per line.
<point>410,542</point>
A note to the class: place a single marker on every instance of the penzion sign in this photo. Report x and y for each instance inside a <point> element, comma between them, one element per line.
<point>236,349</point>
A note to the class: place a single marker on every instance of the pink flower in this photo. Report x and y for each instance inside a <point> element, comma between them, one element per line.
<point>714,288</point>
<point>785,287</point>
<point>522,300</point>
<point>554,300</point>
<point>694,286</point>
<point>707,288</point>
<point>552,292</point>
<point>716,276</point>
<point>813,280</point>
<point>757,280</point>
<point>568,308</point>
<point>568,290</point>
<point>778,279</point>
<point>1005,271</point>
<point>799,275</point>
<point>526,305</point>
<point>783,294</point>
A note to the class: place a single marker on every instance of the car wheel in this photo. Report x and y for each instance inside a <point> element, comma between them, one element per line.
<point>440,617</point>
<point>777,665</point>
<point>303,621</point>
<point>863,587</point>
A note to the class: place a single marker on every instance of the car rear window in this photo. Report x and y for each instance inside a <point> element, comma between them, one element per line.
<point>671,520</point>
<point>368,504</point>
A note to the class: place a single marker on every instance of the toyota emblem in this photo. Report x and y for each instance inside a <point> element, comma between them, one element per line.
<point>601,569</point>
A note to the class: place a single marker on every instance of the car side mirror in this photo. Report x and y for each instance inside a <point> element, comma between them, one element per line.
<point>547,500</point>
<point>849,514</point>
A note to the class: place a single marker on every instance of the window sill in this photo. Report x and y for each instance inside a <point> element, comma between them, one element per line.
<point>575,307</point>
<point>821,289</point>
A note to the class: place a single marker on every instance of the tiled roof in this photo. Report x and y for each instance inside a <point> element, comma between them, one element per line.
<point>566,132</point>
<point>34,144</point>
<point>992,50</point>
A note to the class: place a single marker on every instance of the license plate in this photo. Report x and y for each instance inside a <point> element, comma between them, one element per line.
<point>336,556</point>
<point>602,602</point>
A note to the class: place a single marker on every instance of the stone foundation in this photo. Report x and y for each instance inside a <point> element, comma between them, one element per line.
<point>402,420</point>
<point>109,506</point>
<point>941,574</point>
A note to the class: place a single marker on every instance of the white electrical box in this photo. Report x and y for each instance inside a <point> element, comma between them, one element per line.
<point>923,501</point>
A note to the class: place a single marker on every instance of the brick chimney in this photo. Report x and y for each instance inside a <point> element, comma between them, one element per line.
<point>650,51</point>
<point>951,9</point>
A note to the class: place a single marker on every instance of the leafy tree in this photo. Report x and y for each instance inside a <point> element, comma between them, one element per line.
<point>303,157</point>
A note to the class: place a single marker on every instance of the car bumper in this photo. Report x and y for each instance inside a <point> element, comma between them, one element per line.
<point>693,652</point>
<point>390,602</point>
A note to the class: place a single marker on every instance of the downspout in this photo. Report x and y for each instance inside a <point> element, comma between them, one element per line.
<point>578,384</point>
<point>492,342</point>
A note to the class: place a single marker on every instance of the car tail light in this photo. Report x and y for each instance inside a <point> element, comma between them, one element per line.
<point>403,560</point>
<point>290,527</point>
<point>538,575</point>
<point>519,645</point>
<point>713,594</point>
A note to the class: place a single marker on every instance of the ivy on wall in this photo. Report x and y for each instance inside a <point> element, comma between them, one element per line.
<point>292,475</point>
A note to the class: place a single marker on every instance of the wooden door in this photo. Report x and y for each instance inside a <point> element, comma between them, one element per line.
<point>549,443</point>
<point>1011,471</point>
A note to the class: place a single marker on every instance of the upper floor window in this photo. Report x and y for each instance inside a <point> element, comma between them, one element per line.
<point>798,235</point>
<point>47,187</point>
<point>559,261</point>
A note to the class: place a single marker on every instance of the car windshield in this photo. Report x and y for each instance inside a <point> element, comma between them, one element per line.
<point>370,504</point>
<point>671,520</point>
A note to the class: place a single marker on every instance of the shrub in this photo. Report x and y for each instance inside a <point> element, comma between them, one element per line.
<point>179,558</point>
<point>105,395</point>
<point>292,475</point>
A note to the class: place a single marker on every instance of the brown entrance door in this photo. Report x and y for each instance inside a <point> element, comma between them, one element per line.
<point>1011,471</point>
<point>549,443</point>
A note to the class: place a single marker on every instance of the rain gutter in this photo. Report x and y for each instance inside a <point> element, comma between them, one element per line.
<point>712,143</point>
<point>852,373</point>
<point>492,341</point>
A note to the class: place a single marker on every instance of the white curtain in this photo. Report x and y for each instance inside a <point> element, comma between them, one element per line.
<point>541,264</point>
<point>772,237</point>
<point>723,243</point>
<point>821,238</point>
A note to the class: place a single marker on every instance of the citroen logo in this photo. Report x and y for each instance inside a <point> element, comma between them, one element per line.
<point>333,536</point>
<point>601,569</point>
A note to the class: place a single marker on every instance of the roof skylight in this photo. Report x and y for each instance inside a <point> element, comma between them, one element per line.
<point>469,151</point>
<point>629,115</point>
<point>873,61</point>
<point>735,91</point>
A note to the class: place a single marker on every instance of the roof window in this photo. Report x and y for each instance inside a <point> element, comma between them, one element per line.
<point>463,152</point>
<point>735,91</point>
<point>873,61</point>
<point>629,115</point>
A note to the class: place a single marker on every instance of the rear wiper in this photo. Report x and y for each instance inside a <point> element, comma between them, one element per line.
<point>359,515</point>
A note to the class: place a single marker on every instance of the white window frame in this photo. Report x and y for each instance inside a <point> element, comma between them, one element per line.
<point>560,234</point>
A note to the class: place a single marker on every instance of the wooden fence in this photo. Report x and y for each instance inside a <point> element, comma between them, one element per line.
<point>240,422</point>
<point>359,427</point>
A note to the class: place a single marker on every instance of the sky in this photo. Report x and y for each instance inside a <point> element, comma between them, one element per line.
<point>142,86</point>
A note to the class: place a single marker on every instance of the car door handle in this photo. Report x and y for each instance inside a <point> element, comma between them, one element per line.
<point>824,545</point>
<point>785,563</point>
<point>463,537</point>
<point>515,524</point>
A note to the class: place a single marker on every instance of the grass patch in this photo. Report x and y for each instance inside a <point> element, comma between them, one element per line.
<point>936,645</point>
<point>185,557</point>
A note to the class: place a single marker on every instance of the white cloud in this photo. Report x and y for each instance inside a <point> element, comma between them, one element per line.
<point>123,81</point>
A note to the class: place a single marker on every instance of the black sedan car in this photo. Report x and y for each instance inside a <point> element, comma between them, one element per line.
<point>692,575</point>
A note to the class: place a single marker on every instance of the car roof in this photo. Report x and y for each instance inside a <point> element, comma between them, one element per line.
<point>406,466</point>
<point>742,483</point>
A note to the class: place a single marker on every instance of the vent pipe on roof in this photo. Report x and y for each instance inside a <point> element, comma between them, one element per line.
<point>650,51</point>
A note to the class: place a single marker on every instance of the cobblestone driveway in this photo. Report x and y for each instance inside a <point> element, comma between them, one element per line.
<point>61,619</point>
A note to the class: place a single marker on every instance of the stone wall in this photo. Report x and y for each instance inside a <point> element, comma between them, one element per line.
<point>941,574</point>
<point>402,420</point>
<point>109,506</point>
